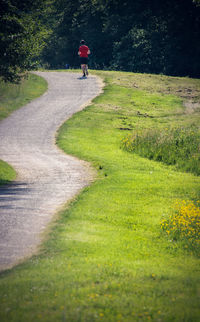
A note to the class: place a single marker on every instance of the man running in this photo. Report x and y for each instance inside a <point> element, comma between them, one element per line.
<point>83,54</point>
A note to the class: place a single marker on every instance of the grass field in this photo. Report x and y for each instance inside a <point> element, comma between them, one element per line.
<point>107,258</point>
<point>12,97</point>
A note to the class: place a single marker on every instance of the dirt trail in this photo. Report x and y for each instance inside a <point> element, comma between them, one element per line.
<point>47,178</point>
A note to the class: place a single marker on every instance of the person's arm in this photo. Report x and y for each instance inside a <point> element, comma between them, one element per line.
<point>88,51</point>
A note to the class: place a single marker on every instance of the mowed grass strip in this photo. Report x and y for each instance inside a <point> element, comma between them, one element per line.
<point>12,97</point>
<point>106,258</point>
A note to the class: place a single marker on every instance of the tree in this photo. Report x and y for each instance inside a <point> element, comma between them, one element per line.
<point>22,35</point>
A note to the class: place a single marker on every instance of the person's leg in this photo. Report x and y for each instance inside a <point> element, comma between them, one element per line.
<point>83,66</point>
<point>86,69</point>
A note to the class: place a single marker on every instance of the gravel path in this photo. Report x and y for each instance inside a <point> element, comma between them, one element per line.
<point>47,178</point>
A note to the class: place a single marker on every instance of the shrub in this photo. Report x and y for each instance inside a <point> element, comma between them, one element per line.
<point>184,224</point>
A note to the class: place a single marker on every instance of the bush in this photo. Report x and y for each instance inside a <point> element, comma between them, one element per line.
<point>184,224</point>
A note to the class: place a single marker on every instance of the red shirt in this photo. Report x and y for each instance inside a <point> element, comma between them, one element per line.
<point>83,51</point>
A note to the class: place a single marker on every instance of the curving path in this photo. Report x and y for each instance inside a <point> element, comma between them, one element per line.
<point>47,178</point>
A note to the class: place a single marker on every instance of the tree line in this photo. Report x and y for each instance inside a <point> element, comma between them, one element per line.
<point>148,36</point>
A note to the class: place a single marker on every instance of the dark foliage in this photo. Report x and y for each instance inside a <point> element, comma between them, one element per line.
<point>23,29</point>
<point>150,36</point>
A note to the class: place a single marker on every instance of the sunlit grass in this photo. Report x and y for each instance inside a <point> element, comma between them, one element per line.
<point>7,173</point>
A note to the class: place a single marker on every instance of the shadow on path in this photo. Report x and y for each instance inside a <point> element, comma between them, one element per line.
<point>11,192</point>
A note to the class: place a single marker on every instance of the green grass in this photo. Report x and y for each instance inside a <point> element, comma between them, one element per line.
<point>7,173</point>
<point>107,258</point>
<point>12,97</point>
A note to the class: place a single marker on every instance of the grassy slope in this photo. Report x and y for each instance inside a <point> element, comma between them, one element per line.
<point>106,258</point>
<point>12,97</point>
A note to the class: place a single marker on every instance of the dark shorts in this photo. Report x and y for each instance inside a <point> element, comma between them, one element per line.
<point>83,60</point>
